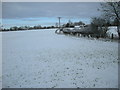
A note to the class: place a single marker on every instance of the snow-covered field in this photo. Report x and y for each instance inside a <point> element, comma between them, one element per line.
<point>43,59</point>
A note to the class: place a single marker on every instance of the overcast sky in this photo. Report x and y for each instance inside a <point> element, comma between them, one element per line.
<point>29,11</point>
<point>50,9</point>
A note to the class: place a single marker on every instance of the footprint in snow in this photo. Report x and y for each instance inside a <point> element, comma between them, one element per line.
<point>77,73</point>
<point>25,80</point>
<point>67,68</point>
<point>34,78</point>
<point>98,68</point>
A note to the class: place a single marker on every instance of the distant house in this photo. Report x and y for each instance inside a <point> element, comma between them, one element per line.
<point>112,30</point>
<point>76,27</point>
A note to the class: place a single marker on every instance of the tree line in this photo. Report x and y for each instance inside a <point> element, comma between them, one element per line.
<point>17,28</point>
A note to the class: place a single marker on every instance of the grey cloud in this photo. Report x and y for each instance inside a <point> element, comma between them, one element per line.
<point>49,9</point>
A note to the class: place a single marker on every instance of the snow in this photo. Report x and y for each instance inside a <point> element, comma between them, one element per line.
<point>43,59</point>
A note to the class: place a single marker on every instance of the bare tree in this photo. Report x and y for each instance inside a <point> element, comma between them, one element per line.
<point>111,10</point>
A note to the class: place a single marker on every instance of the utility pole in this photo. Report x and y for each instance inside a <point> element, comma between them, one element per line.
<point>69,23</point>
<point>59,21</point>
<point>1,26</point>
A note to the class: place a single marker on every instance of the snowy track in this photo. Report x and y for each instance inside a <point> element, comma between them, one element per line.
<point>43,59</point>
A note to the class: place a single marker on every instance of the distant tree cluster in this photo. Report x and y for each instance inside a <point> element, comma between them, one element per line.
<point>69,24</point>
<point>72,24</point>
<point>16,28</point>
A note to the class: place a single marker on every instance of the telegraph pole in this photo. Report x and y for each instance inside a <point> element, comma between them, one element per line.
<point>1,26</point>
<point>59,21</point>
